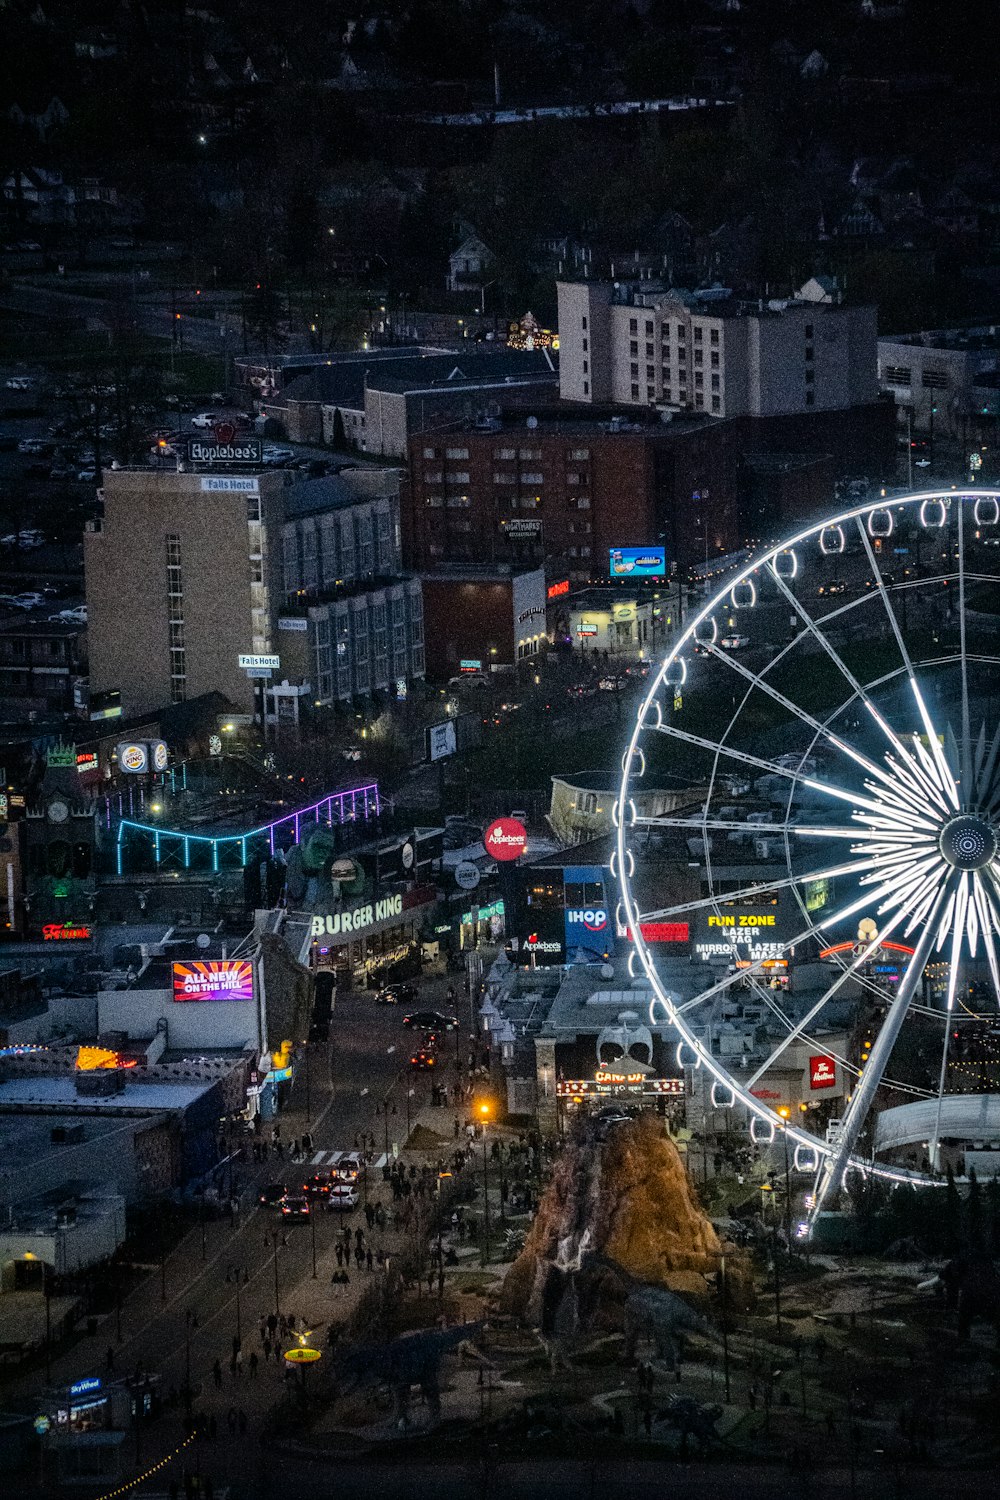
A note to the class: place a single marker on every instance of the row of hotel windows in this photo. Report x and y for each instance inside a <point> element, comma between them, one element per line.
<point>571,455</point>
<point>697,332</point>
<point>514,502</point>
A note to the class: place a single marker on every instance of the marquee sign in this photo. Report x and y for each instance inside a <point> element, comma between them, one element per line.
<point>617,1083</point>
<point>215,979</point>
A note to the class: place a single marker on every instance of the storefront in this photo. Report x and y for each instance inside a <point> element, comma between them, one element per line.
<point>361,942</point>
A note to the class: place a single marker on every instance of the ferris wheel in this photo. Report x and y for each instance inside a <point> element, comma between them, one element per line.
<point>820,907</point>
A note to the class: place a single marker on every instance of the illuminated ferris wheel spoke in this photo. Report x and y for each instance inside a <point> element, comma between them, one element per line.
<point>966,728</point>
<point>854,1118</point>
<point>749,892</point>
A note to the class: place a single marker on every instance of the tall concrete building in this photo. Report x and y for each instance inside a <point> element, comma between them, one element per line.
<point>644,344</point>
<point>186,572</point>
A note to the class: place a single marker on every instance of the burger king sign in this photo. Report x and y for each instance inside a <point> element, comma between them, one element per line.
<point>505,839</point>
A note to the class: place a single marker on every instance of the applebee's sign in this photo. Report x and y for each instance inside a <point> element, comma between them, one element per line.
<point>505,839</point>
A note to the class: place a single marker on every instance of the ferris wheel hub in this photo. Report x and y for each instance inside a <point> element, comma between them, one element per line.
<point>968,842</point>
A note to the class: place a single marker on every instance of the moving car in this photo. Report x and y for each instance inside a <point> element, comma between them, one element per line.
<point>271,1194</point>
<point>423,1058</point>
<point>295,1206</point>
<point>430,1020</point>
<point>349,1167</point>
<point>343,1197</point>
<point>835,586</point>
<point>734,642</point>
<point>396,994</point>
<point>205,419</point>
<point>317,1186</point>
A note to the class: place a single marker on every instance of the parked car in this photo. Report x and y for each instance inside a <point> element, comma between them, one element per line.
<point>271,1194</point>
<point>469,680</point>
<point>343,1197</point>
<point>396,994</point>
<point>28,600</point>
<point>205,419</point>
<point>430,1020</point>
<point>295,1206</point>
<point>75,616</point>
<point>87,476</point>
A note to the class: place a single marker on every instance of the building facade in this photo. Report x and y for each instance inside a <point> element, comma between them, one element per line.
<point>644,344</point>
<point>946,381</point>
<point>187,573</point>
<point>564,489</point>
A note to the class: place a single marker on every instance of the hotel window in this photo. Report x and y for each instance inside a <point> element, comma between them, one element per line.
<point>697,335</point>
<point>530,453</point>
<point>460,476</point>
<point>431,453</point>
<point>713,336</point>
<point>633,348</point>
<point>433,476</point>
<point>579,453</point>
<point>714,361</point>
<point>175,620</point>
<point>716,403</point>
<point>635,393</point>
<point>456,453</point>
<point>504,453</point>
<point>633,325</point>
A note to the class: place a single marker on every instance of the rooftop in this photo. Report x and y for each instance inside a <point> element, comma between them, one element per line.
<point>343,383</point>
<point>60,1096</point>
<point>982,339</point>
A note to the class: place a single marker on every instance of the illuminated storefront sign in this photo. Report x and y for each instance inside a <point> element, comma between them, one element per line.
<point>746,948</point>
<point>358,920</point>
<point>556,590</point>
<point>215,979</point>
<point>484,913</point>
<point>744,919</point>
<point>505,839</point>
<point>87,762</point>
<point>822,1072</point>
<point>590,928</point>
<point>64,932</point>
<point>617,1083</point>
<point>662,932</point>
<point>133,758</point>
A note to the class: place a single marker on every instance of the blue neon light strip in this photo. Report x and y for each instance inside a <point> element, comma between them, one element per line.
<point>369,792</point>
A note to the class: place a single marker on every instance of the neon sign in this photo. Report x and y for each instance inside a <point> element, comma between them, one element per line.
<point>64,932</point>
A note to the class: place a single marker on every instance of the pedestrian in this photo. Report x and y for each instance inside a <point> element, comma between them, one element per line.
<point>239,1361</point>
<point>369,1257</point>
<point>262,1327</point>
<point>272,1324</point>
<point>339,1253</point>
<point>267,1350</point>
<point>217,1375</point>
<point>253,1362</point>
<point>359,1256</point>
<point>232,1365</point>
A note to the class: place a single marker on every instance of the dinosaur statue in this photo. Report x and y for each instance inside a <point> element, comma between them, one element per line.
<point>689,1417</point>
<point>971,1285</point>
<point>413,1359</point>
<point>655,1313</point>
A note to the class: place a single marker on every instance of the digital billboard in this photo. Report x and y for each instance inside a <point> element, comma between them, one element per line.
<point>214,979</point>
<point>638,562</point>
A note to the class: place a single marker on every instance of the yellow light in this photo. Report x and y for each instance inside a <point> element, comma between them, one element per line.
<point>484,1109</point>
<point>155,807</point>
<point>784,1111</point>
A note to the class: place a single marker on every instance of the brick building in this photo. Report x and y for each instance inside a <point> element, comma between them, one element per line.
<point>563,487</point>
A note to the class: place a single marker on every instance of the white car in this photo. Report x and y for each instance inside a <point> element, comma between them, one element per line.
<point>205,419</point>
<point>77,615</point>
<point>349,1167</point>
<point>28,600</point>
<point>87,476</point>
<point>734,642</point>
<point>31,445</point>
<point>343,1198</point>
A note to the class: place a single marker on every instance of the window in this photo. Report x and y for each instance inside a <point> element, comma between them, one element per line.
<point>456,453</point>
<point>699,380</point>
<point>586,387</point>
<point>583,322</point>
<point>699,400</point>
<point>715,382</point>
<point>697,335</point>
<point>584,551</point>
<point>809,330</point>
<point>585,346</point>
<point>667,396</point>
<point>810,353</point>
<point>580,527</point>
<point>810,398</point>
<point>460,476</point>
<point>507,453</point>
<point>582,502</point>
<point>532,478</point>
<point>535,453</point>
<point>431,453</point>
<point>810,376</point>
<point>579,453</point>
<point>681,332</point>
<point>649,329</point>
<point>716,403</point>
<point>896,375</point>
<point>458,502</point>
<point>714,360</point>
<point>698,357</point>
<point>649,351</point>
<point>435,501</point>
<point>501,478</point>
<point>650,372</point>
<point>634,371</point>
<point>633,325</point>
<point>633,348</point>
<point>573,476</point>
<point>934,380</point>
<point>635,393</point>
<point>713,336</point>
<point>433,476</point>
<point>586,367</point>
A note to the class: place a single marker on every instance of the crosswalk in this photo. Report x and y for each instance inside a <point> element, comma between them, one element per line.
<point>333,1159</point>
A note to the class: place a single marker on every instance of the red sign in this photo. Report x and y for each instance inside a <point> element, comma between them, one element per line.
<point>662,932</point>
<point>822,1072</point>
<point>556,590</point>
<point>225,432</point>
<point>63,932</point>
<point>505,839</point>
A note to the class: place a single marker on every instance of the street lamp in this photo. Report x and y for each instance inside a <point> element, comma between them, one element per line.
<point>785,1113</point>
<point>484,1112</point>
